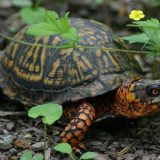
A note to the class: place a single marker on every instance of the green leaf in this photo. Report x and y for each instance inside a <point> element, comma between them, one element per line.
<point>72,35</point>
<point>141,38</point>
<point>51,16</point>
<point>150,35</point>
<point>38,157</point>
<point>88,155</point>
<point>32,15</point>
<point>63,148</point>
<point>53,24</point>
<point>22,3</point>
<point>42,29</point>
<point>63,24</point>
<point>152,23</point>
<point>26,155</point>
<point>49,111</point>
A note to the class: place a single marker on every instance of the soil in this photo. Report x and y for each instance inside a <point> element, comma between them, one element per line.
<point>112,139</point>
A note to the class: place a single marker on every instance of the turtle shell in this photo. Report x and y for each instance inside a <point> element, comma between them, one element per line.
<point>35,75</point>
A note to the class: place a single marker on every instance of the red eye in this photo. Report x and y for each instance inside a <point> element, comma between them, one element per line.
<point>155,91</point>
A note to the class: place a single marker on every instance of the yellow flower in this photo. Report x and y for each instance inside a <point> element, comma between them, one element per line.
<point>136,15</point>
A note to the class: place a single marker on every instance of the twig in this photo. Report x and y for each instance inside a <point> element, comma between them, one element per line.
<point>9,113</point>
<point>47,154</point>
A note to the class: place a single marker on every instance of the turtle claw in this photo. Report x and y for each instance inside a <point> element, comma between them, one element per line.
<point>78,149</point>
<point>82,146</point>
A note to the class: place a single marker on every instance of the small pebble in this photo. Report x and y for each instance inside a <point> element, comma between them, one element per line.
<point>6,141</point>
<point>97,143</point>
<point>13,151</point>
<point>10,126</point>
<point>21,143</point>
<point>38,145</point>
<point>28,136</point>
<point>5,131</point>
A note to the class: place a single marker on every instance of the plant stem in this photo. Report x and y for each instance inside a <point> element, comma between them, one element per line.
<point>71,46</point>
<point>72,157</point>
<point>37,3</point>
<point>45,137</point>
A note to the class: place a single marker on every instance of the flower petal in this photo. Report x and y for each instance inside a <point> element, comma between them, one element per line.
<point>136,15</point>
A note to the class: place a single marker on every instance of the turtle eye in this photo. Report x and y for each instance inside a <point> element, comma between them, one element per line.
<point>153,91</point>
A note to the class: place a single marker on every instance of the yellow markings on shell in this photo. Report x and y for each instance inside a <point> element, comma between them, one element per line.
<point>103,33</point>
<point>26,65</point>
<point>10,64</point>
<point>66,52</point>
<point>16,45</point>
<point>37,68</point>
<point>31,67</point>
<point>27,56</point>
<point>93,38</point>
<point>60,73</point>
<point>81,34</point>
<point>59,78</point>
<point>98,53</point>
<point>75,56</point>
<point>90,42</point>
<point>42,60</point>
<point>106,64</point>
<point>2,79</point>
<point>35,55</point>
<point>100,60</point>
<point>51,74</point>
<point>45,40</point>
<point>90,32</point>
<point>56,40</point>
<point>112,60</point>
<point>30,53</point>
<point>84,69</point>
<point>81,49</point>
<point>21,60</point>
<point>86,61</point>
<point>75,75</point>
<point>54,68</point>
<point>89,66</point>
<point>8,49</point>
<point>17,71</point>
<point>106,38</point>
<point>4,60</point>
<point>7,62</point>
<point>71,77</point>
<point>48,81</point>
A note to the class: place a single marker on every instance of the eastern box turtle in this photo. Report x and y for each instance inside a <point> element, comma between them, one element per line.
<point>90,83</point>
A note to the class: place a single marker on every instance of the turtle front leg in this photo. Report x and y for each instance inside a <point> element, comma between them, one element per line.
<point>78,126</point>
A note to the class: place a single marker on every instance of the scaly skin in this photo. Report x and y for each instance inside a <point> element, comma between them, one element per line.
<point>132,101</point>
<point>129,100</point>
<point>75,130</point>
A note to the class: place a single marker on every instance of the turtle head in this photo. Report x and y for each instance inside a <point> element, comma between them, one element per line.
<point>138,97</point>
